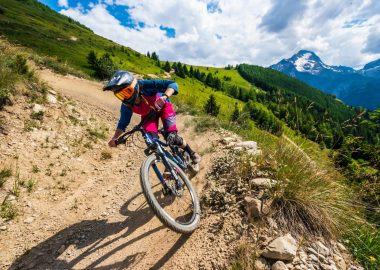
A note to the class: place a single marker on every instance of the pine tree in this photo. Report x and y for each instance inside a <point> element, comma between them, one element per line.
<point>191,72</point>
<point>167,67</point>
<point>185,70</point>
<point>235,114</point>
<point>92,59</point>
<point>179,70</point>
<point>209,80</point>
<point>218,84</point>
<point>154,56</point>
<point>148,54</point>
<point>211,107</point>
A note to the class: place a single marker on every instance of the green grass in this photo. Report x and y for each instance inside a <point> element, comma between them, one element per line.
<point>30,124</point>
<point>364,244</point>
<point>236,79</point>
<point>5,173</point>
<point>97,133</point>
<point>30,184</point>
<point>37,115</point>
<point>8,211</point>
<point>30,24</point>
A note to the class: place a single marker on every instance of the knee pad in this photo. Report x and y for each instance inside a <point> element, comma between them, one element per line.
<point>174,139</point>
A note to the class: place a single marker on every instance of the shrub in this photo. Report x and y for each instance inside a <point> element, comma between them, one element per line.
<point>30,184</point>
<point>8,211</point>
<point>104,67</point>
<point>37,115</point>
<point>4,175</point>
<point>18,64</point>
<point>104,155</point>
<point>29,125</point>
<point>35,169</point>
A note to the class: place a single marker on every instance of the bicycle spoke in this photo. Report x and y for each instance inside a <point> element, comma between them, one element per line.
<point>180,207</point>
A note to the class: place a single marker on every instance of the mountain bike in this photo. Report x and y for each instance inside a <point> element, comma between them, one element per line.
<point>164,182</point>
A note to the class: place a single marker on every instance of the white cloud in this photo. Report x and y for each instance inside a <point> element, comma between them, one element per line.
<point>63,3</point>
<point>317,25</point>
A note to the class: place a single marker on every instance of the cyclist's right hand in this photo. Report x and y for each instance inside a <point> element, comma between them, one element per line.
<point>112,143</point>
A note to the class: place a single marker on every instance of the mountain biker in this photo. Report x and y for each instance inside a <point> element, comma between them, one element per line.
<point>141,96</point>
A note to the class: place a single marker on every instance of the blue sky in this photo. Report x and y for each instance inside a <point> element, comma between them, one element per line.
<point>221,32</point>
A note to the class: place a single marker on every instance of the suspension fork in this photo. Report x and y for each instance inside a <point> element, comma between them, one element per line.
<point>168,167</point>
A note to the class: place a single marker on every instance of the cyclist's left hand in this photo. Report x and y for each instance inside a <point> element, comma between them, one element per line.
<point>160,103</point>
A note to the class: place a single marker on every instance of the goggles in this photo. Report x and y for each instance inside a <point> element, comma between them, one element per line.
<point>126,92</point>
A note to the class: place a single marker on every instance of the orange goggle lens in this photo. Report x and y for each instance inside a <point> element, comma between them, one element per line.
<point>125,93</point>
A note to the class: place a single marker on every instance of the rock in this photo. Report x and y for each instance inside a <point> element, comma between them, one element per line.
<point>353,267</point>
<point>282,248</point>
<point>341,247</point>
<point>3,228</point>
<point>51,99</point>
<point>254,152</point>
<point>248,145</point>
<point>11,198</point>
<point>340,263</point>
<point>228,140</point>
<point>61,249</point>
<point>325,266</point>
<point>38,108</point>
<point>279,265</point>
<point>253,207</point>
<point>29,220</point>
<point>321,248</point>
<point>313,258</point>
<point>261,264</point>
<point>262,182</point>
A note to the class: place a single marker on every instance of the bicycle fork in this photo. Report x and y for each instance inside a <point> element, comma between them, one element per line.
<point>173,173</point>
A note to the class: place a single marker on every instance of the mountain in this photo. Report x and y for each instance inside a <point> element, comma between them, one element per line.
<point>354,87</point>
<point>371,69</point>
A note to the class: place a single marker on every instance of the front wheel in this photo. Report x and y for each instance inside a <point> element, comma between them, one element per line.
<point>179,210</point>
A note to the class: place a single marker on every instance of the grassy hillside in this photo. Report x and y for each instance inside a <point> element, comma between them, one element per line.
<point>31,24</point>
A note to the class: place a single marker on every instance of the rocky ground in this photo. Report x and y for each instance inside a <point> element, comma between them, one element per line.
<point>80,205</point>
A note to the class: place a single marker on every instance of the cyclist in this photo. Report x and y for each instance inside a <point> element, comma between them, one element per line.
<point>141,96</point>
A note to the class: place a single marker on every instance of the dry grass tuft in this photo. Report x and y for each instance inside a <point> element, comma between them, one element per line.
<point>308,200</point>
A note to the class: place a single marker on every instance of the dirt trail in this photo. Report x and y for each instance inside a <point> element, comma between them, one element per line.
<point>98,219</point>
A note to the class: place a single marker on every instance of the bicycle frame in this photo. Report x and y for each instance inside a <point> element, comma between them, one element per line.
<point>156,146</point>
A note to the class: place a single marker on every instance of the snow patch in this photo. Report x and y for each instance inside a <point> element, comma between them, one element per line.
<point>304,64</point>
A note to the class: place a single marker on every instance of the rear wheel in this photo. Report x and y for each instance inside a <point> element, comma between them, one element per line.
<point>176,206</point>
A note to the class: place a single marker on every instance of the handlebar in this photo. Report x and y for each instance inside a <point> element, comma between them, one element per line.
<point>124,137</point>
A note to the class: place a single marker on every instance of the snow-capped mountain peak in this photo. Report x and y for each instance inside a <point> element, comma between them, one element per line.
<point>355,87</point>
<point>308,62</point>
<point>305,62</point>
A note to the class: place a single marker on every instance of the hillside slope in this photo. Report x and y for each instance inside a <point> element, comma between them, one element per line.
<point>87,211</point>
